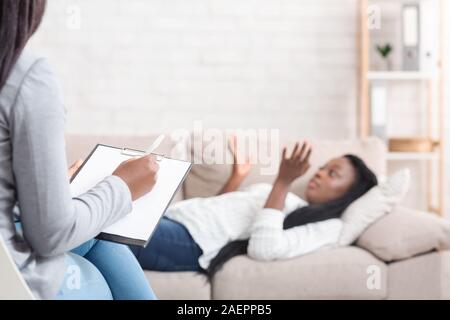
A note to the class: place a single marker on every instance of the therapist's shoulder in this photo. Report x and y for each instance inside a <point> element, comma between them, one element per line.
<point>34,68</point>
<point>35,81</point>
<point>27,65</point>
<point>16,77</point>
<point>30,76</point>
<point>29,70</point>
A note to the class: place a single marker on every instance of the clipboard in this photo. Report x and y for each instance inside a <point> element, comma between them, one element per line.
<point>137,227</point>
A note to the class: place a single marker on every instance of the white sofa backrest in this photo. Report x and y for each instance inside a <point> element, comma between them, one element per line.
<point>205,180</point>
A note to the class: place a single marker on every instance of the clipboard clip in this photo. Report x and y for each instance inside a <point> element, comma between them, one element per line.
<point>159,157</point>
<point>136,153</point>
<point>131,152</point>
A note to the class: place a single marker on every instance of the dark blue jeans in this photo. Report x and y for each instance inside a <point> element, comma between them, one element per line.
<point>171,248</point>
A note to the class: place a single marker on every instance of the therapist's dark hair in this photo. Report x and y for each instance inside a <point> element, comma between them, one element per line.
<point>19,20</point>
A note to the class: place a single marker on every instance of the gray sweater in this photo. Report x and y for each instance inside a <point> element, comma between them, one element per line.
<point>34,178</point>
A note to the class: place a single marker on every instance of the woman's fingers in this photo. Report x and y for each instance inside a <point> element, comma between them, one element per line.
<point>294,152</point>
<point>284,154</point>
<point>304,155</point>
<point>308,155</point>
<point>232,142</point>
<point>308,152</point>
<point>298,152</point>
<point>301,153</point>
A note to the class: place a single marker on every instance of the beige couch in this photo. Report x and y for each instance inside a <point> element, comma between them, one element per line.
<point>342,273</point>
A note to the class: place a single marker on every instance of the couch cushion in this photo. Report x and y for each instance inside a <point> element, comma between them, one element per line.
<point>373,205</point>
<point>405,233</point>
<point>206,179</point>
<point>326,274</point>
<point>179,285</point>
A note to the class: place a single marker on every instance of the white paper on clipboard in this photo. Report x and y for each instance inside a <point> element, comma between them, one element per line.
<point>138,226</point>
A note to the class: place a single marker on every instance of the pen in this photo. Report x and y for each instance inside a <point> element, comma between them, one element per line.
<point>155,144</point>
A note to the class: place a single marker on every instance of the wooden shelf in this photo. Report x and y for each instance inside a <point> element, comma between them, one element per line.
<point>400,75</point>
<point>435,210</point>
<point>435,99</point>
<point>406,156</point>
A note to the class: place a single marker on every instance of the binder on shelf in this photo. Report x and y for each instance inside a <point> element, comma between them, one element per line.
<point>378,110</point>
<point>410,36</point>
<point>429,32</point>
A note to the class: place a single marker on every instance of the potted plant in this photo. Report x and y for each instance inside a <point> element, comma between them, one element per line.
<point>385,51</point>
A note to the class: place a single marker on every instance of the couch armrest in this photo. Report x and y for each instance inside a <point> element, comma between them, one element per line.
<point>405,233</point>
<point>422,277</point>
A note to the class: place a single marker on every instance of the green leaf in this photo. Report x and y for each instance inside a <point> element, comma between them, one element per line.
<point>384,50</point>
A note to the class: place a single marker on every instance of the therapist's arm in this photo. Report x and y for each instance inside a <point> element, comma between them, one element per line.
<point>53,222</point>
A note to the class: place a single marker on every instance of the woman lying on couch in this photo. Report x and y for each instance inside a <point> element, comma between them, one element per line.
<point>265,221</point>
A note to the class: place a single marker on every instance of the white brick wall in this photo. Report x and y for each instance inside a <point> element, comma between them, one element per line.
<point>140,66</point>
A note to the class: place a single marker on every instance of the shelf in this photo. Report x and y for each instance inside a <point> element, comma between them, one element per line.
<point>434,210</point>
<point>429,79</point>
<point>400,75</point>
<point>402,156</point>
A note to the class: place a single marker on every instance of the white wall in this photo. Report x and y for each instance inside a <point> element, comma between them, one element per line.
<point>447,101</point>
<point>139,66</point>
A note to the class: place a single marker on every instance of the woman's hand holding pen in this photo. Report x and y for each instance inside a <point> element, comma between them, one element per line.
<point>140,174</point>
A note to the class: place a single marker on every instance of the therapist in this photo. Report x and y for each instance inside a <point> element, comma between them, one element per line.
<point>34,179</point>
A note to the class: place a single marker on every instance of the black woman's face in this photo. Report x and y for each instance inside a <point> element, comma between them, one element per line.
<point>331,181</point>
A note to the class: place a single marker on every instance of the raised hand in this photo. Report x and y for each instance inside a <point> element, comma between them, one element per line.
<point>241,165</point>
<point>295,165</point>
<point>241,168</point>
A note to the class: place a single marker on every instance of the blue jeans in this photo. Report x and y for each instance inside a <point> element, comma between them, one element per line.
<point>102,270</point>
<point>171,248</point>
